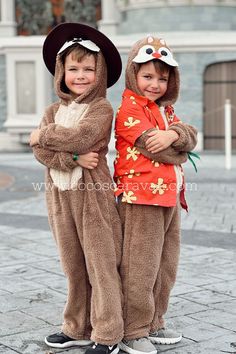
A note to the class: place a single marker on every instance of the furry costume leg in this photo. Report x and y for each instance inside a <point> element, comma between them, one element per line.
<point>145,230</point>
<point>168,267</point>
<point>101,237</point>
<point>82,225</point>
<point>77,310</point>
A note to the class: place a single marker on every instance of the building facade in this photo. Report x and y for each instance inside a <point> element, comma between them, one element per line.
<point>202,34</point>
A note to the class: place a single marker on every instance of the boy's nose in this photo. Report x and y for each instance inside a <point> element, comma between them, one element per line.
<point>155,83</point>
<point>80,75</point>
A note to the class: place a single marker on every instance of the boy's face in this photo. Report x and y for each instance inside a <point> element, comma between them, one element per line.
<point>79,76</point>
<point>153,84</point>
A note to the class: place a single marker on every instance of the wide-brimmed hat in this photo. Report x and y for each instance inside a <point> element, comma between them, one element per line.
<point>68,31</point>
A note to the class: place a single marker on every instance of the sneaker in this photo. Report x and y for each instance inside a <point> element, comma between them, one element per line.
<point>138,346</point>
<point>165,336</point>
<point>103,349</point>
<point>61,340</point>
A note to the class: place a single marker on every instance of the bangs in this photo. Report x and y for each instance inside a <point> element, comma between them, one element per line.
<point>161,66</point>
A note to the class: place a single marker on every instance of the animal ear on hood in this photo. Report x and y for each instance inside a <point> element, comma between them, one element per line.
<point>147,49</point>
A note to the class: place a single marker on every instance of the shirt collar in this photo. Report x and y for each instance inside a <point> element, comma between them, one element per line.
<point>142,100</point>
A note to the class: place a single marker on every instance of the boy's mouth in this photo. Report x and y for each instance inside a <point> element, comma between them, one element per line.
<point>153,92</point>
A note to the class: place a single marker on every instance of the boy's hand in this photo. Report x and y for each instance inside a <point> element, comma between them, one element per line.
<point>160,140</point>
<point>34,137</point>
<point>89,160</point>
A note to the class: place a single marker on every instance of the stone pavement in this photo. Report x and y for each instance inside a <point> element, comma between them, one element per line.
<point>33,288</point>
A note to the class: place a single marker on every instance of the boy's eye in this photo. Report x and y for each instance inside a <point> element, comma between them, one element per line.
<point>147,76</point>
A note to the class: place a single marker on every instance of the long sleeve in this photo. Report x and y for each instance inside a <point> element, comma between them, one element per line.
<point>169,155</point>
<point>91,134</point>
<point>52,159</point>
<point>187,136</point>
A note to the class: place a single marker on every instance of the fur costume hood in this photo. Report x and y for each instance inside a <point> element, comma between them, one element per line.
<point>158,46</point>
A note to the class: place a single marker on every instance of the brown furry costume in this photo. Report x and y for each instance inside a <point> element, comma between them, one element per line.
<point>151,233</point>
<point>82,210</point>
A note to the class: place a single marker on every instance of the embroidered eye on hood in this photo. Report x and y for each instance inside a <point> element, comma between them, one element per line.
<point>148,49</point>
<point>96,90</point>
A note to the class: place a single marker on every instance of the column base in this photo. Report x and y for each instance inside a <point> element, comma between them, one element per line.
<point>7,29</point>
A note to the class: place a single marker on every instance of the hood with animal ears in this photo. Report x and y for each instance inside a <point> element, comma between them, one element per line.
<point>148,49</point>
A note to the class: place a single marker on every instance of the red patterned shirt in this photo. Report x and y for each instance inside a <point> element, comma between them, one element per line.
<point>141,180</point>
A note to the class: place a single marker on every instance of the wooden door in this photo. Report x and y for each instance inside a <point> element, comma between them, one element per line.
<point>219,84</point>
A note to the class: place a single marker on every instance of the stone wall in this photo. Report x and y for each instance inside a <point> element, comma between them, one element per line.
<point>180,18</point>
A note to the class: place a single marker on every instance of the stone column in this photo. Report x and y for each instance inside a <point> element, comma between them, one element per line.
<point>7,18</point>
<point>109,21</point>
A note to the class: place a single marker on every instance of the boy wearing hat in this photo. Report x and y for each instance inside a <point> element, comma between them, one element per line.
<point>81,206</point>
<point>151,145</point>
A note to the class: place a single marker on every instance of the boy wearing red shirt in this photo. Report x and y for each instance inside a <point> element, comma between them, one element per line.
<point>151,145</point>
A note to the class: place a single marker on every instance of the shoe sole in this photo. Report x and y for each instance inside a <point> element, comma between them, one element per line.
<point>157,340</point>
<point>116,350</point>
<point>129,350</point>
<point>74,343</point>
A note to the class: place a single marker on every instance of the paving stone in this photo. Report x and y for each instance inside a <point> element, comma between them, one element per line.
<point>4,292</point>
<point>204,331</point>
<point>217,226</point>
<point>52,266</point>
<point>51,280</point>
<point>5,350</point>
<point>30,206</point>
<point>16,322</point>
<point>193,278</point>
<point>191,251</point>
<point>188,224</point>
<point>31,341</point>
<point>20,270</point>
<point>38,248</point>
<point>15,284</point>
<point>181,307</point>
<point>218,318</point>
<point>12,256</point>
<point>220,344</point>
<point>50,313</point>
<point>228,288</point>
<point>229,306</point>
<point>44,295</point>
<point>183,288</point>
<point>206,297</point>
<point>26,233</point>
<point>11,302</point>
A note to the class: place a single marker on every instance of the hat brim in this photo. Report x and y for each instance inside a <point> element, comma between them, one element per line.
<point>67,31</point>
